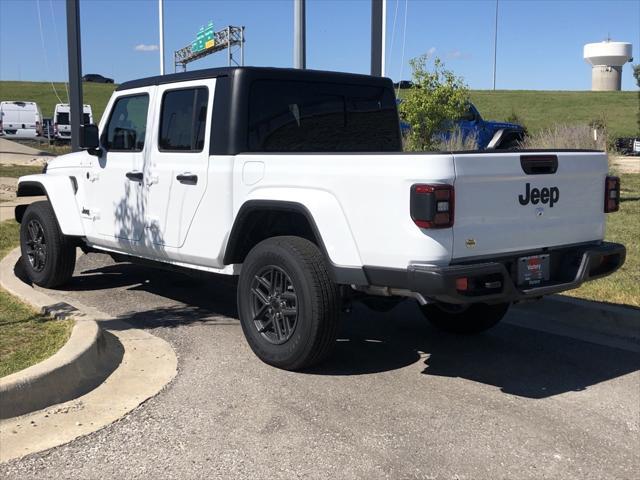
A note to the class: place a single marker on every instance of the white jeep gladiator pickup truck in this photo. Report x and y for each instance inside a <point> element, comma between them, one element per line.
<point>295,180</point>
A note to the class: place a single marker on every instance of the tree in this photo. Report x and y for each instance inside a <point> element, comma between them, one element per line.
<point>437,98</point>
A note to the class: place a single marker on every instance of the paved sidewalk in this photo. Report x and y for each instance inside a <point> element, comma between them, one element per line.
<point>14,153</point>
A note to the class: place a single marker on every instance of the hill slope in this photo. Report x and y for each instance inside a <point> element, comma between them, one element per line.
<point>540,109</point>
<point>95,94</point>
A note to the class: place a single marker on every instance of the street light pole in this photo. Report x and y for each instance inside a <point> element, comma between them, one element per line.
<point>75,71</point>
<point>377,37</point>
<point>161,22</point>
<point>299,34</point>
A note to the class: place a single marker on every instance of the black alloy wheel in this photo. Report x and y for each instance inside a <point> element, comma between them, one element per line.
<point>274,304</point>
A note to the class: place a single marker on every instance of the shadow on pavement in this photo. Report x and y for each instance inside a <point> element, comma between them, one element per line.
<point>519,361</point>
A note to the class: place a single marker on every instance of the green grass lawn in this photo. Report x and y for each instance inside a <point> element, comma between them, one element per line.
<point>622,227</point>
<point>95,94</point>
<point>26,337</point>
<point>19,170</point>
<point>539,109</point>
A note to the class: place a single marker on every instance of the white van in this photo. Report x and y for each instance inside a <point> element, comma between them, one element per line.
<point>62,120</point>
<point>20,119</point>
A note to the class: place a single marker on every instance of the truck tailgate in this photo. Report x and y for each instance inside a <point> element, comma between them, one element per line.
<point>501,208</point>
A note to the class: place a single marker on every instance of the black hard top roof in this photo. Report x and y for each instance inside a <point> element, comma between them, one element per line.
<point>256,72</point>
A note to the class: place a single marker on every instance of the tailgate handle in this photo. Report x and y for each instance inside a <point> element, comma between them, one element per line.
<point>539,164</point>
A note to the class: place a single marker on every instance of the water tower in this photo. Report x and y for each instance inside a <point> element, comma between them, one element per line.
<point>607,59</point>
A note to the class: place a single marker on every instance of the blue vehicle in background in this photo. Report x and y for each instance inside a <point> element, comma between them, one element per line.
<point>488,134</point>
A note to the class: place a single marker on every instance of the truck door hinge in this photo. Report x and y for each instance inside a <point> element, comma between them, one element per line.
<point>151,179</point>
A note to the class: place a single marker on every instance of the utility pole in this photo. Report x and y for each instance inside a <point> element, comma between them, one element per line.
<point>75,71</point>
<point>161,22</point>
<point>299,34</point>
<point>495,46</point>
<point>378,10</point>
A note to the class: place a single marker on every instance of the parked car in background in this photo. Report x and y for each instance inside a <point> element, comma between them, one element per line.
<point>62,120</point>
<point>20,119</point>
<point>95,78</point>
<point>628,146</point>
<point>403,84</point>
<point>489,133</point>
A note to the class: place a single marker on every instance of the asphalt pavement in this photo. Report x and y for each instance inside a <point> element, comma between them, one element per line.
<point>398,399</point>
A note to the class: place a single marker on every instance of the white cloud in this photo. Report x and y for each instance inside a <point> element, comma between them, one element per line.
<point>456,54</point>
<point>431,51</point>
<point>146,48</point>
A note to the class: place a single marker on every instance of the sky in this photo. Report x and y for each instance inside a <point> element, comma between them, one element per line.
<point>539,41</point>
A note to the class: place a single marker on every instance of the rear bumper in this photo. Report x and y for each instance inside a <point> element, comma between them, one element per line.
<point>493,281</point>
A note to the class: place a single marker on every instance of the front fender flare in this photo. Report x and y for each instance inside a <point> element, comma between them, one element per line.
<point>61,192</point>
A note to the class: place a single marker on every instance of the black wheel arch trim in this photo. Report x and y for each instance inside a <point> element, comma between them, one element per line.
<point>31,188</point>
<point>28,189</point>
<point>340,274</point>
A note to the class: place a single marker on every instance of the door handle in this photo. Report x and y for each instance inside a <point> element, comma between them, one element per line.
<point>187,178</point>
<point>134,176</point>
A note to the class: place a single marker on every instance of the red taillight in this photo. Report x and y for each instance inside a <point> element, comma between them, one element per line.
<point>462,284</point>
<point>612,194</point>
<point>431,206</point>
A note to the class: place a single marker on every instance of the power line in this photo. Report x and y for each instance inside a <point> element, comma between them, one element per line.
<point>57,39</point>
<point>393,31</point>
<point>44,52</point>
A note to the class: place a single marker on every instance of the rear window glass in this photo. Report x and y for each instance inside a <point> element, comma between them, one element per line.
<point>299,116</point>
<point>183,119</point>
<point>62,118</point>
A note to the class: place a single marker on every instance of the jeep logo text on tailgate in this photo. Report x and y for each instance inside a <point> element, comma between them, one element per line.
<point>549,195</point>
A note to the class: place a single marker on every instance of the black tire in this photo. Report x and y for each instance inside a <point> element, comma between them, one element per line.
<point>464,319</point>
<point>48,256</point>
<point>292,341</point>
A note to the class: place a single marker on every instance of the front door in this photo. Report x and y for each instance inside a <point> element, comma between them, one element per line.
<point>115,182</point>
<point>176,174</point>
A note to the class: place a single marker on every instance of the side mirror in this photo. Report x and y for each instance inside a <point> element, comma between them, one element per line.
<point>89,139</point>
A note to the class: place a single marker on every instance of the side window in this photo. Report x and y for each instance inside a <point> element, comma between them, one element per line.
<point>127,124</point>
<point>295,116</point>
<point>183,118</point>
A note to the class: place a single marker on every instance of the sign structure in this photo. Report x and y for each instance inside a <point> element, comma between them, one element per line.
<point>208,41</point>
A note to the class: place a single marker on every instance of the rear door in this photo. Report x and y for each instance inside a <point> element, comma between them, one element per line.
<point>176,174</point>
<point>509,202</point>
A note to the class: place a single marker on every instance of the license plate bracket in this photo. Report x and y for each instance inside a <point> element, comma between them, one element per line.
<point>533,270</point>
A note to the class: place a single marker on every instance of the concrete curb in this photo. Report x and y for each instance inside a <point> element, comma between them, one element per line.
<point>80,365</point>
<point>146,364</point>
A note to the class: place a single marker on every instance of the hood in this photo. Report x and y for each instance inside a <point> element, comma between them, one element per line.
<point>67,161</point>
<point>501,125</point>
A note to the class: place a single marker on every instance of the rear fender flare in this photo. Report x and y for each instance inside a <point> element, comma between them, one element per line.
<point>327,219</point>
